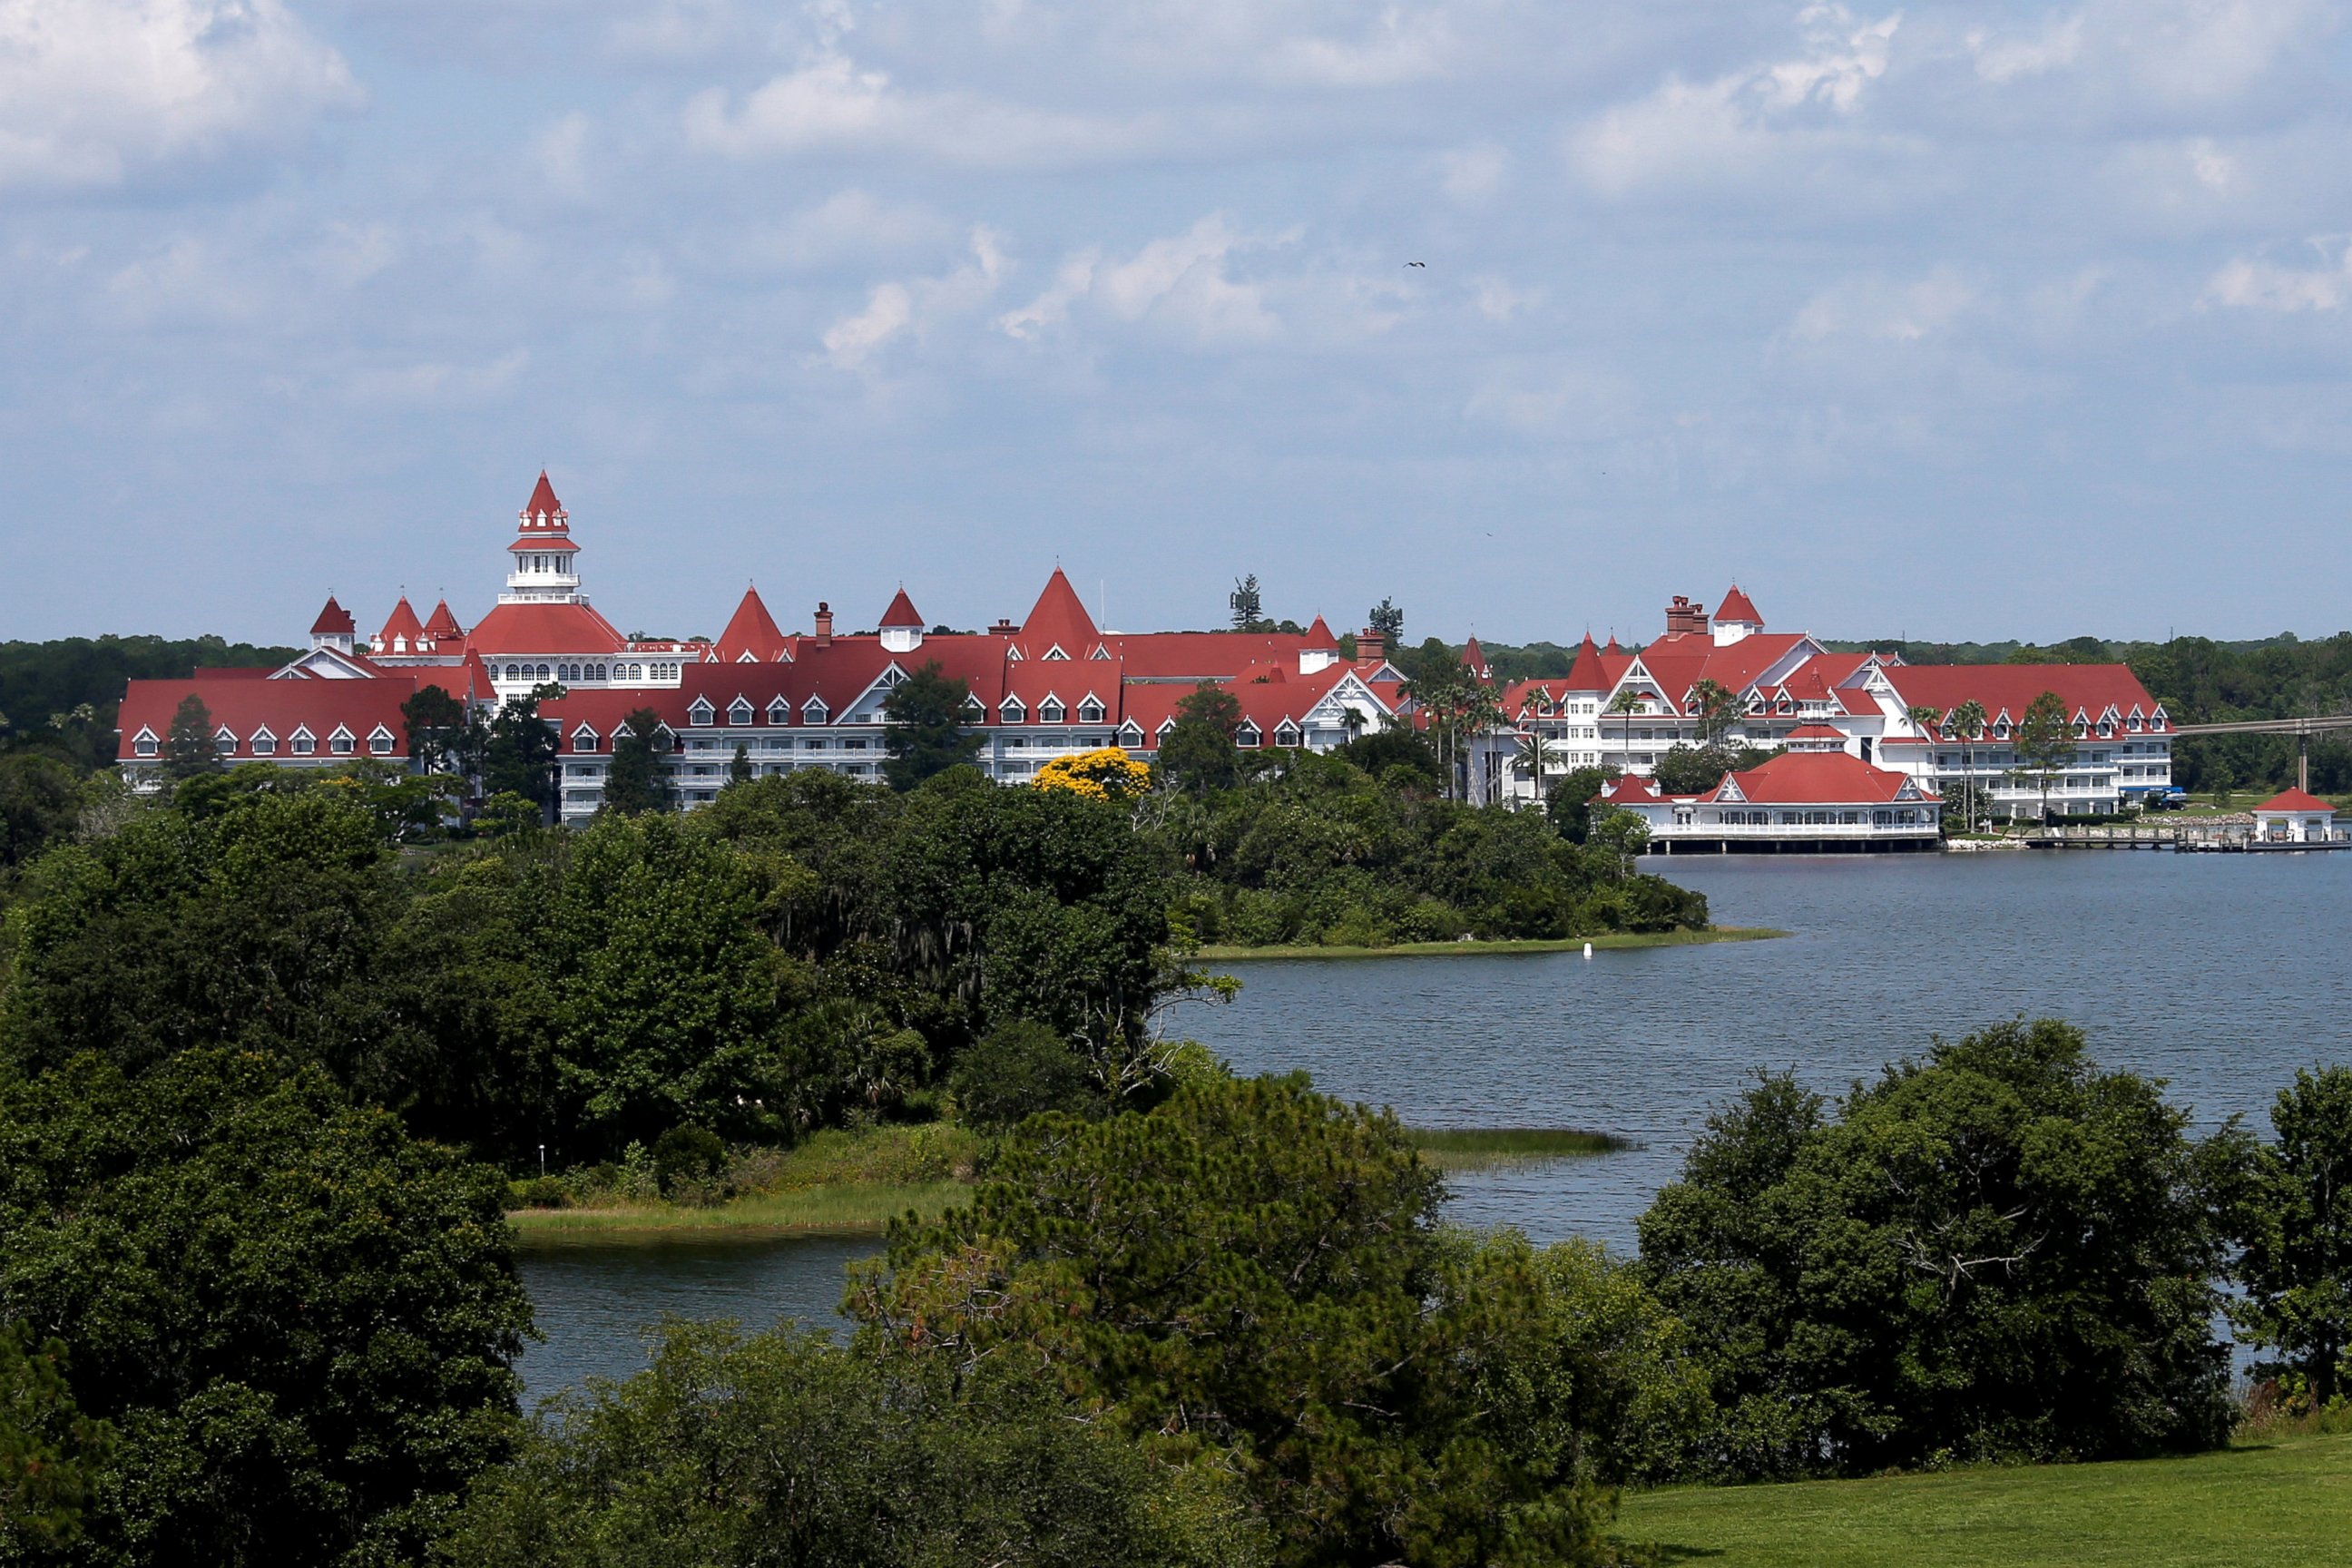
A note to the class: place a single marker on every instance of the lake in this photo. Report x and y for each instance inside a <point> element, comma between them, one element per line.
<point>2221,973</point>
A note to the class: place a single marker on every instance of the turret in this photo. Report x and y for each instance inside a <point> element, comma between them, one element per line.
<point>335,629</point>
<point>545,569</point>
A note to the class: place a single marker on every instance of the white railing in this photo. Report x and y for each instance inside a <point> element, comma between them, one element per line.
<point>1793,830</point>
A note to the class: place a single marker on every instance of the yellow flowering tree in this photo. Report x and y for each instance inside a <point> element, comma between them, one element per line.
<point>1106,775</point>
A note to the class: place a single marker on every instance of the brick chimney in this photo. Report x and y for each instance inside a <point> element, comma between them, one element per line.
<point>1371,646</point>
<point>824,623</point>
<point>1003,629</point>
<point>1684,618</point>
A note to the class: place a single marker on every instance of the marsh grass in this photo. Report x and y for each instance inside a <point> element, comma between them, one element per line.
<point>1479,1148</point>
<point>1608,942</point>
<point>856,1209</point>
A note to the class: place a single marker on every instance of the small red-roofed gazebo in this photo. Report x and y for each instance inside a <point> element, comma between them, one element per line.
<point>2295,817</point>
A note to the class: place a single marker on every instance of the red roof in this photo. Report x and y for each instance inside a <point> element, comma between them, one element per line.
<point>2295,800</point>
<point>1318,635</point>
<point>1058,619</point>
<point>545,628</point>
<point>752,630</point>
<point>551,542</point>
<point>2010,688</point>
<point>244,706</point>
<point>1815,732</point>
<point>333,620</point>
<point>542,499</point>
<point>1474,658</point>
<point>402,623</point>
<point>901,613</point>
<point>1815,778</point>
<point>1738,606</point>
<point>441,625</point>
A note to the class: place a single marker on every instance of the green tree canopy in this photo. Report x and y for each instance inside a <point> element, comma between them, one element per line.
<point>2295,1216</point>
<point>189,750</point>
<point>49,1449</point>
<point>1997,1252</point>
<point>1198,754</point>
<point>2044,741</point>
<point>436,724</point>
<point>925,719</point>
<point>785,1449</point>
<point>300,1324</point>
<point>520,757</point>
<point>635,782</point>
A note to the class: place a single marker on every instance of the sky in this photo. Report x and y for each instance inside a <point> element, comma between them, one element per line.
<point>1975,321</point>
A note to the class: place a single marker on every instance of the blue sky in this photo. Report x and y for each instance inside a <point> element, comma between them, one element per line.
<point>1971,321</point>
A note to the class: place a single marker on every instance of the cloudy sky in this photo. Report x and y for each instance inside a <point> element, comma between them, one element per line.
<point>1965,321</point>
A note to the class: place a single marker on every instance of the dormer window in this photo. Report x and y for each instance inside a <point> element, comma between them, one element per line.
<point>779,712</point>
<point>1286,733</point>
<point>1130,733</point>
<point>1011,712</point>
<point>700,711</point>
<point>1056,652</point>
<point>305,743</point>
<point>143,744</point>
<point>813,711</point>
<point>1248,735</point>
<point>583,739</point>
<point>265,744</point>
<point>1050,711</point>
<point>224,743</point>
<point>1100,652</point>
<point>342,742</point>
<point>379,741</point>
<point>739,711</point>
<point>1090,711</point>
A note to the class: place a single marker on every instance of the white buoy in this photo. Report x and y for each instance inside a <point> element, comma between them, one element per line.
<point>1588,950</point>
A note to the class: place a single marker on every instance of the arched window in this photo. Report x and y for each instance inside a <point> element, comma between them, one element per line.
<point>544,673</point>
<point>513,673</point>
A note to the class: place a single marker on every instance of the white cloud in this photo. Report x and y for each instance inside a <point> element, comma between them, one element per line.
<point>1716,128</point>
<point>832,105</point>
<point>2002,59</point>
<point>1472,175</point>
<point>893,309</point>
<point>1876,308</point>
<point>440,382</point>
<point>1498,302</point>
<point>2255,283</point>
<point>93,92</point>
<point>1179,282</point>
<point>1398,47</point>
<point>559,156</point>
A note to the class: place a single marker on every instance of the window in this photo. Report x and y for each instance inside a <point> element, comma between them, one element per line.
<point>379,741</point>
<point>305,743</point>
<point>1049,711</point>
<point>1090,711</point>
<point>224,743</point>
<point>1247,736</point>
<point>739,711</point>
<point>265,744</point>
<point>701,712</point>
<point>144,746</point>
<point>779,712</point>
<point>1010,712</point>
<point>814,743</point>
<point>583,739</point>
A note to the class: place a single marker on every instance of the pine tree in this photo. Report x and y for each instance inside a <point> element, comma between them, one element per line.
<point>923,726</point>
<point>635,784</point>
<point>739,767</point>
<point>189,752</point>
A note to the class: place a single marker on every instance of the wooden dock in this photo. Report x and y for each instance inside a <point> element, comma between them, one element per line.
<point>2183,838</point>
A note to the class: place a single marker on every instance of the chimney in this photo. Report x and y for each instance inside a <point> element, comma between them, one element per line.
<point>824,623</point>
<point>1371,646</point>
<point>1003,629</point>
<point>1684,618</point>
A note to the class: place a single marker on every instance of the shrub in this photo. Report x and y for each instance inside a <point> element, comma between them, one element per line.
<point>1017,1069</point>
<point>687,1153</point>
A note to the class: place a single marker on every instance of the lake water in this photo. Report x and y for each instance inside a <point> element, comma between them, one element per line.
<point>2221,973</point>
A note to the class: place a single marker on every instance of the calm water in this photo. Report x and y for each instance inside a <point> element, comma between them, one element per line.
<point>2222,973</point>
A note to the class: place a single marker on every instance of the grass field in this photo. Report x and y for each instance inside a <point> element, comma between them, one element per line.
<point>1482,1148</point>
<point>1607,941</point>
<point>2282,1505</point>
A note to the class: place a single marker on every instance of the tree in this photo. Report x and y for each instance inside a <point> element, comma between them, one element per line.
<point>302,1323</point>
<point>1251,1278</point>
<point>47,1447</point>
<point>924,717</point>
<point>1569,802</point>
<point>1627,703</point>
<point>1535,752</point>
<point>636,782</point>
<point>1015,1071</point>
<point>1198,752</point>
<point>1997,1252</point>
<point>738,766</point>
<point>1624,836</point>
<point>1967,721</point>
<point>1248,608</point>
<point>521,756</point>
<point>785,1449</point>
<point>1717,708</point>
<point>2045,745</point>
<point>436,724</point>
<point>1105,773</point>
<point>40,804</point>
<point>2296,1217</point>
<point>1388,619</point>
<point>190,750</point>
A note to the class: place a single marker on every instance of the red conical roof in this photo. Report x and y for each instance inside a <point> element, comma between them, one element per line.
<point>441,625</point>
<point>1474,658</point>
<point>901,613</point>
<point>542,499</point>
<point>333,620</point>
<point>1738,606</point>
<point>401,622</point>
<point>2294,800</point>
<point>1058,619</point>
<point>1318,635</point>
<point>752,630</point>
<point>1585,673</point>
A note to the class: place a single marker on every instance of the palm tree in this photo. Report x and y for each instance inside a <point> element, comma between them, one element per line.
<point>1967,721</point>
<point>1716,708</point>
<point>1627,701</point>
<point>1535,750</point>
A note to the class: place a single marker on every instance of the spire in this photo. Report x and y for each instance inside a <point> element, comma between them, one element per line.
<point>1739,606</point>
<point>334,620</point>
<point>752,630</point>
<point>1585,673</point>
<point>402,630</point>
<point>1059,618</point>
<point>543,504</point>
<point>1474,659</point>
<point>901,613</point>
<point>1318,635</point>
<point>441,625</point>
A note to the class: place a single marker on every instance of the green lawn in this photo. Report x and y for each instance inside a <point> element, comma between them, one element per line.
<point>2282,1505</point>
<point>1607,941</point>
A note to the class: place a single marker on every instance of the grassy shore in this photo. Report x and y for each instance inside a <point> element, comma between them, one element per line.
<point>2278,1505</point>
<point>1483,1148</point>
<point>852,1209</point>
<point>1608,941</point>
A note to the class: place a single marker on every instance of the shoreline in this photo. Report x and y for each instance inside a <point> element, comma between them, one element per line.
<point>1606,941</point>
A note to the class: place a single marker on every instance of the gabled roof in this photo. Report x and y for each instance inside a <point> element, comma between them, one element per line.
<point>1819,778</point>
<point>2295,800</point>
<point>901,615</point>
<point>2092,688</point>
<point>1738,606</point>
<point>334,620</point>
<point>752,630</point>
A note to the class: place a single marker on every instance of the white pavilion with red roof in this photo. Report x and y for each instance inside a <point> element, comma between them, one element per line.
<point>2295,817</point>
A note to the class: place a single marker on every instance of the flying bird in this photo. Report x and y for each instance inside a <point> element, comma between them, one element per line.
<point>1416,264</point>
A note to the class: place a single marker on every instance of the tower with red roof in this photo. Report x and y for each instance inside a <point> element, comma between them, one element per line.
<point>901,627</point>
<point>335,629</point>
<point>1734,618</point>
